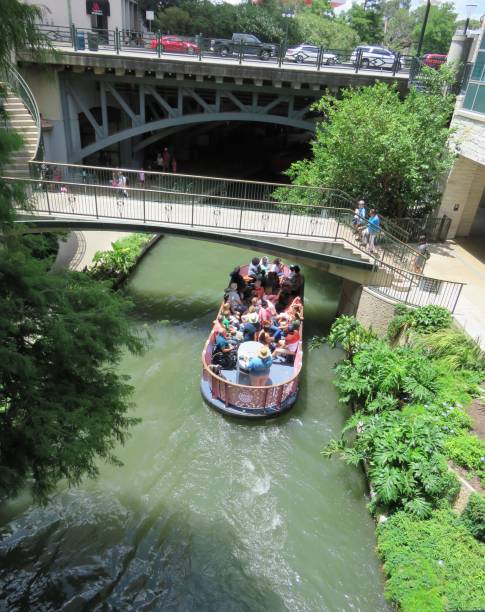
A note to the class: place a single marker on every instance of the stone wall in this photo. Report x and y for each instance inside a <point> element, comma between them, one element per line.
<point>371,309</point>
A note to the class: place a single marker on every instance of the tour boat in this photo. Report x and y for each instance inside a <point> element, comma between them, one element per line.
<point>230,392</point>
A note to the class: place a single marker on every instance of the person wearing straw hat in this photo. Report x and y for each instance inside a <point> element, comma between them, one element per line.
<point>251,326</point>
<point>259,367</point>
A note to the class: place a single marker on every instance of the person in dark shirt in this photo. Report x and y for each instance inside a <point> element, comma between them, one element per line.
<point>297,281</point>
<point>235,277</point>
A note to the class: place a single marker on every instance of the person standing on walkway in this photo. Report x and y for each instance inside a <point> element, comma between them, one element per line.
<point>422,256</point>
<point>373,228</point>
<point>174,165</point>
<point>166,157</point>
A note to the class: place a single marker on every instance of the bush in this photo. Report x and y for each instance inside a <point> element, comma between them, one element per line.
<point>468,451</point>
<point>119,261</point>
<point>403,454</point>
<point>473,516</point>
<point>349,334</point>
<point>455,349</point>
<point>424,320</point>
<point>380,378</point>
<point>432,564</point>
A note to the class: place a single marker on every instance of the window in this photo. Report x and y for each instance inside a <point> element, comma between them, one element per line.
<point>475,92</point>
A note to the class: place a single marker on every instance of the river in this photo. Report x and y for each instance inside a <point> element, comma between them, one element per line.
<point>207,513</point>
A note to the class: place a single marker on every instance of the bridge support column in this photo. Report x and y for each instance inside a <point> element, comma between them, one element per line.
<point>369,308</point>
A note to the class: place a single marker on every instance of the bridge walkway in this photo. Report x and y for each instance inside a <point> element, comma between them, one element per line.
<point>309,232</point>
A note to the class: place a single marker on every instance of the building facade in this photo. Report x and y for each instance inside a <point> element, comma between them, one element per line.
<point>91,14</point>
<point>464,195</point>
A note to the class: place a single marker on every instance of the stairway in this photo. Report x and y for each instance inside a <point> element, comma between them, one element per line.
<point>21,121</point>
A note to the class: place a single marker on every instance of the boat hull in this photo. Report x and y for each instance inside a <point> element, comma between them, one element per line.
<point>246,413</point>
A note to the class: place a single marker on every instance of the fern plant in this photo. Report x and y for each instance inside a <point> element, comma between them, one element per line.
<point>404,454</point>
<point>455,349</point>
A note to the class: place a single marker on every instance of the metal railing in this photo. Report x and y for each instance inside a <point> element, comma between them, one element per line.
<point>219,213</point>
<point>277,195</point>
<point>17,84</point>
<point>269,399</point>
<point>157,44</point>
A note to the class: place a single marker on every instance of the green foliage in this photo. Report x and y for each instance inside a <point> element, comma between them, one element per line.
<point>432,564</point>
<point>62,403</point>
<point>473,516</point>
<point>331,33</point>
<point>400,25</point>
<point>372,143</point>
<point>349,334</point>
<point>454,348</point>
<point>403,454</point>
<point>424,320</point>
<point>367,22</point>
<point>380,378</point>
<point>468,451</point>
<point>120,260</point>
<point>439,30</point>
<point>18,30</point>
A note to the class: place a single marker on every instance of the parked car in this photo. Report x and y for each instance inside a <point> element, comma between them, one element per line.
<point>174,44</point>
<point>249,43</point>
<point>375,57</point>
<point>434,60</point>
<point>309,53</point>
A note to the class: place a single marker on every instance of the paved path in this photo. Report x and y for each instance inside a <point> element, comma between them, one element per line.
<point>79,249</point>
<point>454,262</point>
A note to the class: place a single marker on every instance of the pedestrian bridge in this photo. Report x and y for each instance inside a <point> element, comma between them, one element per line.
<point>309,231</point>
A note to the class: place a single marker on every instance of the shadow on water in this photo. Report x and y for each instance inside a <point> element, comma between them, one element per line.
<point>171,559</point>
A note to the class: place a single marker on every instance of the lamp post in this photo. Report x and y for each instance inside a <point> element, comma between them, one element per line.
<point>469,11</point>
<point>423,27</point>
<point>288,14</point>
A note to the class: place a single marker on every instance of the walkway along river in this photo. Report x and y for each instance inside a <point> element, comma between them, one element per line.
<point>208,513</point>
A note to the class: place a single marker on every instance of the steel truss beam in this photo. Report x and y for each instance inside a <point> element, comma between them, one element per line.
<point>193,106</point>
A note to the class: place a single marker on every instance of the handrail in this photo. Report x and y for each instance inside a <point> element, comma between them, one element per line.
<point>17,83</point>
<point>179,208</point>
<point>243,189</point>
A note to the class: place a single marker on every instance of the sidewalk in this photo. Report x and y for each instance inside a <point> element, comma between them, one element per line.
<point>79,249</point>
<point>462,263</point>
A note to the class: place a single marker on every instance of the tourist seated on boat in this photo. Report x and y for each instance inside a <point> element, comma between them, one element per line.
<point>289,345</point>
<point>284,297</point>
<point>236,277</point>
<point>276,272</point>
<point>264,265</point>
<point>250,327</point>
<point>296,309</point>
<point>258,289</point>
<point>259,367</point>
<point>224,352</point>
<point>265,313</point>
<point>297,281</point>
<point>233,298</point>
<point>254,269</point>
<point>270,334</point>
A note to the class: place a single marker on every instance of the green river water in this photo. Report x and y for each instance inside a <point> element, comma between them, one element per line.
<point>208,513</point>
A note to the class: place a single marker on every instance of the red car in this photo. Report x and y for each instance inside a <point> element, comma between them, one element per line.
<point>175,44</point>
<point>434,60</point>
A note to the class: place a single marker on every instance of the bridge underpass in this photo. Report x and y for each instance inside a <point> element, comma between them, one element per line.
<point>316,234</point>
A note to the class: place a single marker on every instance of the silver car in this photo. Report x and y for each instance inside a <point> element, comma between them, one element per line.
<point>375,57</point>
<point>309,53</point>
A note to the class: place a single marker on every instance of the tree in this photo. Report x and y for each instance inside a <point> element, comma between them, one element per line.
<point>372,144</point>
<point>439,30</point>
<point>399,26</point>
<point>62,403</point>
<point>367,23</point>
<point>330,33</point>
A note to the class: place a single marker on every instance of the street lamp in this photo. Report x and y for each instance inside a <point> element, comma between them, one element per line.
<point>423,28</point>
<point>289,14</point>
<point>469,11</point>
